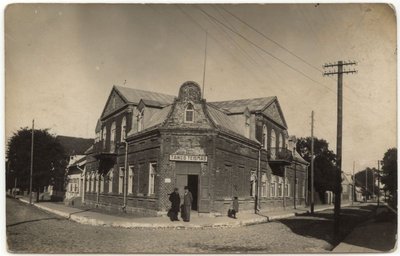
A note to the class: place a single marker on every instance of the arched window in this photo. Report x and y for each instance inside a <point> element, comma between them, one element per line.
<point>273,143</point>
<point>104,136</point>
<point>123,129</point>
<point>112,137</point>
<point>189,113</point>
<point>280,141</point>
<point>265,136</point>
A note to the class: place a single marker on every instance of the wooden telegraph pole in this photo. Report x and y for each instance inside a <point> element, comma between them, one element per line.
<point>312,163</point>
<point>339,72</point>
<point>31,172</point>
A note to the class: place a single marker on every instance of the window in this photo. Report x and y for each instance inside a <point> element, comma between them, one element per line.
<point>130,180</point>
<point>113,102</point>
<point>121,180</point>
<point>189,113</point>
<point>287,188</point>
<point>104,136</point>
<point>152,174</point>
<point>101,177</point>
<point>96,185</point>
<point>265,137</point>
<point>264,187</point>
<point>87,182</point>
<point>123,129</point>
<point>253,179</point>
<point>273,188</point>
<point>280,189</point>
<point>273,144</point>
<point>110,180</point>
<point>280,141</point>
<point>92,178</point>
<point>247,126</point>
<point>304,189</point>
<point>97,139</point>
<point>140,120</point>
<point>112,137</point>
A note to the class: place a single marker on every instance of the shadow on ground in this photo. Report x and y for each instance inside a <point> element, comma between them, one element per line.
<point>321,225</point>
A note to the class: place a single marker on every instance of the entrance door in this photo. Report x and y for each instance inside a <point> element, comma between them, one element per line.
<point>193,183</point>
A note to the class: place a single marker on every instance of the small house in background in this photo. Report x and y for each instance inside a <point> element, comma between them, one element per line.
<point>74,180</point>
<point>74,150</point>
<point>347,188</point>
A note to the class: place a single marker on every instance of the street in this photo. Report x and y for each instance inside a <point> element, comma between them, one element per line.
<point>30,230</point>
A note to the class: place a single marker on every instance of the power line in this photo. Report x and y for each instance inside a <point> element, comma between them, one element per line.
<point>273,41</point>
<point>265,51</point>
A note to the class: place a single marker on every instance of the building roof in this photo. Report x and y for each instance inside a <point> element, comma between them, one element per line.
<point>98,126</point>
<point>347,178</point>
<point>158,117</point>
<point>74,145</point>
<point>133,95</point>
<point>222,120</point>
<point>239,106</point>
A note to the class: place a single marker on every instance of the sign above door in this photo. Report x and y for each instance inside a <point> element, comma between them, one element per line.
<point>188,158</point>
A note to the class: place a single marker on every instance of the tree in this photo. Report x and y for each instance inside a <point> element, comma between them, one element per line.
<point>389,173</point>
<point>48,158</point>
<point>324,164</point>
<point>372,178</point>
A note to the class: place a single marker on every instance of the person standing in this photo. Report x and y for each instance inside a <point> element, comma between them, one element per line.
<point>187,204</point>
<point>175,204</point>
<point>235,206</point>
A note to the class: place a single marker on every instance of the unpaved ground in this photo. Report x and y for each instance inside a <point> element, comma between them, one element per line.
<point>32,230</point>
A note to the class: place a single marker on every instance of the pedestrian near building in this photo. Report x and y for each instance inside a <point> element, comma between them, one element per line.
<point>175,204</point>
<point>235,206</point>
<point>187,204</point>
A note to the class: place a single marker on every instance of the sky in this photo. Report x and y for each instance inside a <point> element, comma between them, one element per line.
<point>61,61</point>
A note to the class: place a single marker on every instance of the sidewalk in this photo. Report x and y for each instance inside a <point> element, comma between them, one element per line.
<point>372,236</point>
<point>100,219</point>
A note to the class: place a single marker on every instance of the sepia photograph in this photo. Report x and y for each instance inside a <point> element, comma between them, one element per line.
<point>217,128</point>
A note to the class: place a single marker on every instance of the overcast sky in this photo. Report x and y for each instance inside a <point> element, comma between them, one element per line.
<point>63,59</point>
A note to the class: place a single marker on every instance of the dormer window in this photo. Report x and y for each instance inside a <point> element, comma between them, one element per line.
<point>189,113</point>
<point>140,120</point>
<point>247,126</point>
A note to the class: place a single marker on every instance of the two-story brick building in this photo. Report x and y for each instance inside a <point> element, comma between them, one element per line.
<point>219,149</point>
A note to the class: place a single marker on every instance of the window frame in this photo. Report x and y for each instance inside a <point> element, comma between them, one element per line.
<point>187,110</point>
<point>121,171</point>
<point>123,129</point>
<point>152,177</point>
<point>131,176</point>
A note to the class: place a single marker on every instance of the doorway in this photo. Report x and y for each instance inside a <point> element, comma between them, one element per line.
<point>192,183</point>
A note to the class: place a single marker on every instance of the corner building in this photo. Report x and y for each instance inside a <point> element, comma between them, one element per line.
<point>219,149</point>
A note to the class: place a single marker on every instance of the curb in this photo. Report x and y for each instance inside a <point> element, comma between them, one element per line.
<point>131,225</point>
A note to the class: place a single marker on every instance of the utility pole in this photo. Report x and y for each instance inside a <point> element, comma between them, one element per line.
<point>205,65</point>
<point>339,72</point>
<point>379,175</point>
<point>354,188</point>
<point>312,163</point>
<point>366,185</point>
<point>30,176</point>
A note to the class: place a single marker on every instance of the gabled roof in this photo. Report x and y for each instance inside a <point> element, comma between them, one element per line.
<point>98,126</point>
<point>221,120</point>
<point>239,106</point>
<point>132,95</point>
<point>74,145</point>
<point>158,117</point>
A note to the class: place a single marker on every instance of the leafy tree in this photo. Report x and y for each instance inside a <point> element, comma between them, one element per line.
<point>324,164</point>
<point>48,158</point>
<point>389,173</point>
<point>372,175</point>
